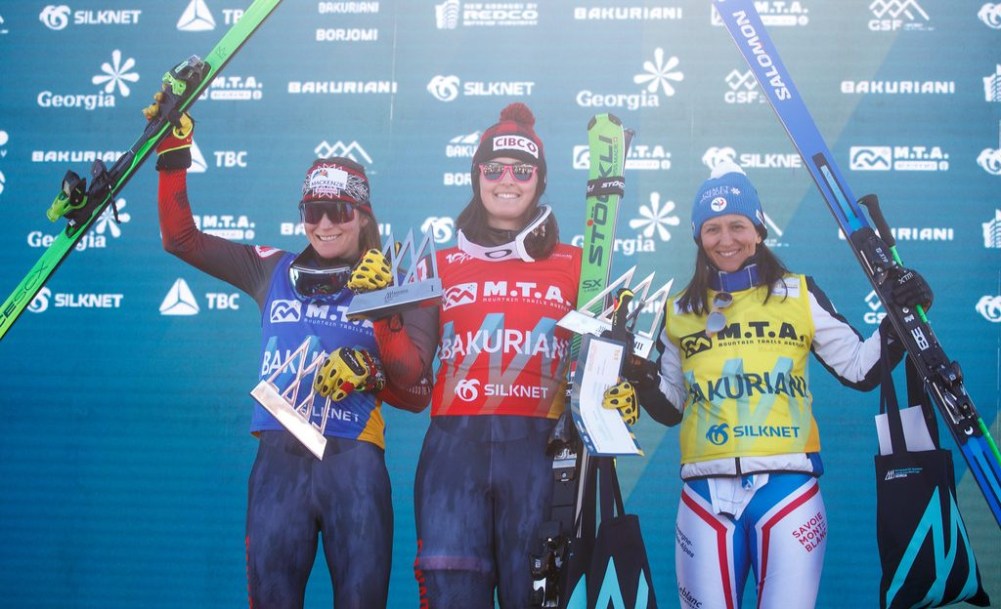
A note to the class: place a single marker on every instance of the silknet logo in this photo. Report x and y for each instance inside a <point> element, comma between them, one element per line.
<point>449,88</point>
<point>440,228</point>
<point>715,155</point>
<point>467,390</point>
<point>989,160</point>
<point>46,299</point>
<point>990,14</point>
<point>990,308</point>
<point>55,17</point>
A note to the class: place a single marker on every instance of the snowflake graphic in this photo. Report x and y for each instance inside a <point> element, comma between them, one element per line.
<point>656,218</point>
<point>658,74</point>
<point>106,222</point>
<point>116,73</point>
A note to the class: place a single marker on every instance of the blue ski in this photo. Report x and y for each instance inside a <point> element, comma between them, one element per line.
<point>876,252</point>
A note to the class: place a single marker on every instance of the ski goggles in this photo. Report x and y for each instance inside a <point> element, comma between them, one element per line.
<point>716,320</point>
<point>520,172</point>
<point>339,212</point>
<point>309,282</point>
<point>513,250</point>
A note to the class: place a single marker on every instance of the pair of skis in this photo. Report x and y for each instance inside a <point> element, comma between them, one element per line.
<point>82,205</point>
<point>877,253</point>
<point>608,142</point>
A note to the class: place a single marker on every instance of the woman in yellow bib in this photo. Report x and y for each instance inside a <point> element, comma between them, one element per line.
<point>733,373</point>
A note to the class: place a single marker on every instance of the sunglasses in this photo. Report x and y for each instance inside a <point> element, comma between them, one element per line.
<point>339,212</point>
<point>716,320</point>
<point>521,172</point>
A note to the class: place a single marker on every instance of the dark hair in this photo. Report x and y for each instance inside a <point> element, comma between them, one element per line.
<point>473,223</point>
<point>368,236</point>
<point>694,298</point>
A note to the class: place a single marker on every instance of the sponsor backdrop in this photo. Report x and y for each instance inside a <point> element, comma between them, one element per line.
<point>124,451</point>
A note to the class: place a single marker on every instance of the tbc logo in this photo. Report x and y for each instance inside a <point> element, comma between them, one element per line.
<point>718,434</point>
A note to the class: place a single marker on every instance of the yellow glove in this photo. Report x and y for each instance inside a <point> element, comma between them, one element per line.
<point>371,273</point>
<point>346,370</point>
<point>622,397</point>
<point>174,150</point>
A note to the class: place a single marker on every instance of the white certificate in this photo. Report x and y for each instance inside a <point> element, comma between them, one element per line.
<point>602,430</point>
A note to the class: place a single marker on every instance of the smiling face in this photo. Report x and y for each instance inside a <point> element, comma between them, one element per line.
<point>508,201</point>
<point>336,240</point>
<point>729,240</point>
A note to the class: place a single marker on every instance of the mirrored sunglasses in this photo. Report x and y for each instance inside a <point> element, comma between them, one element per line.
<point>520,172</point>
<point>309,282</point>
<point>716,320</point>
<point>339,212</point>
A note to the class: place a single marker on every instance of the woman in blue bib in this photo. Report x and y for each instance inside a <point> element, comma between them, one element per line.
<point>341,494</point>
<point>733,374</point>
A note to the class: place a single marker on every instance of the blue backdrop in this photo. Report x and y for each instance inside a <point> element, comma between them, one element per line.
<point>124,451</point>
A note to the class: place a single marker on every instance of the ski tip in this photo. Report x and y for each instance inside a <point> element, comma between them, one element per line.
<point>606,116</point>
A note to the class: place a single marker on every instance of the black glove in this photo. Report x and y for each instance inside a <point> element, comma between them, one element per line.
<point>641,372</point>
<point>908,288</point>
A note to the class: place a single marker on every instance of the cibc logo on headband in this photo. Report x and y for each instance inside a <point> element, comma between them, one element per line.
<point>516,142</point>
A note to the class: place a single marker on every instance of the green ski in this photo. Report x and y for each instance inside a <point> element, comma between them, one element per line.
<point>608,142</point>
<point>82,205</point>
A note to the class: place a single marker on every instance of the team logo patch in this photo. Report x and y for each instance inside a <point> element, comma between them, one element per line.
<point>461,294</point>
<point>718,204</point>
<point>285,311</point>
<point>694,344</point>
